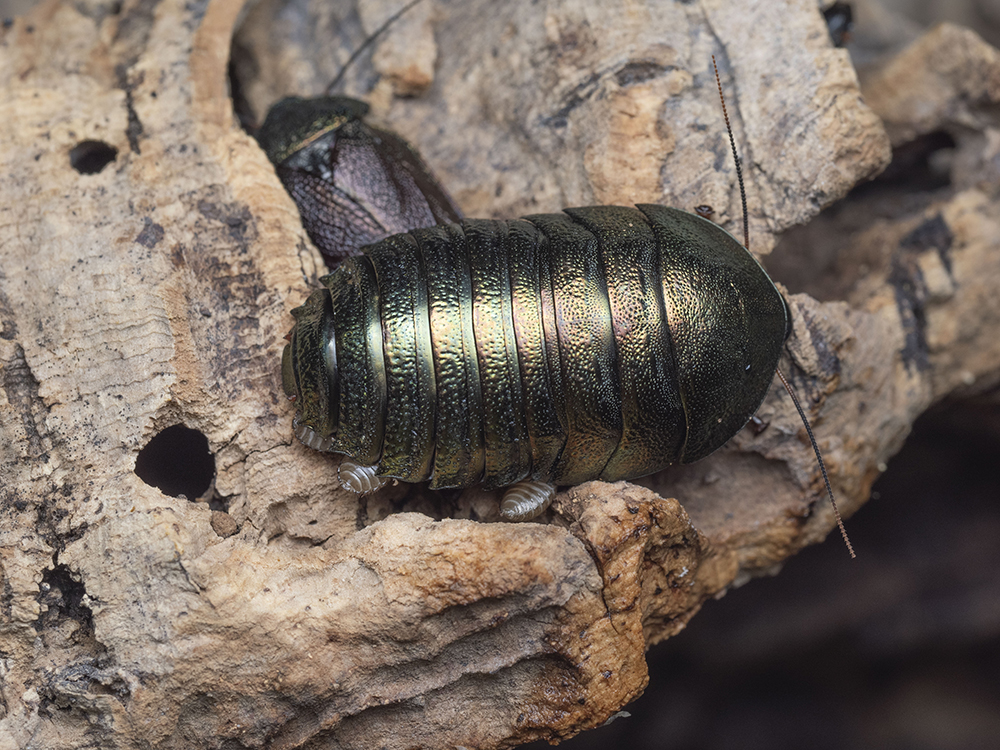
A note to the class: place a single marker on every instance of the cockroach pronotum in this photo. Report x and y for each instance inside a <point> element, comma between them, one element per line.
<point>600,343</point>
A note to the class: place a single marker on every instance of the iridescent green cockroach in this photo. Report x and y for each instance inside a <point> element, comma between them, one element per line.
<point>600,343</point>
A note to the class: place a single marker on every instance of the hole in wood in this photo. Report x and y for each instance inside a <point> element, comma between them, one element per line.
<point>90,157</point>
<point>177,462</point>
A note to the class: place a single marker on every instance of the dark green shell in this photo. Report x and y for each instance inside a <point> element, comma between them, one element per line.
<point>601,343</point>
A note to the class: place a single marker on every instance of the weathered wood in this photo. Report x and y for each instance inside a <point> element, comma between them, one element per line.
<point>157,290</point>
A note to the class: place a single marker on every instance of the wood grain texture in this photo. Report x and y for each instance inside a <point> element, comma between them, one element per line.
<point>157,292</point>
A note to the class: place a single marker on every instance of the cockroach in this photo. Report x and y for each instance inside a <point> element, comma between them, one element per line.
<point>604,342</point>
<point>353,183</point>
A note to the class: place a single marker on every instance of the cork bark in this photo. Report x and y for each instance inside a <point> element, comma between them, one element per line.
<point>277,610</point>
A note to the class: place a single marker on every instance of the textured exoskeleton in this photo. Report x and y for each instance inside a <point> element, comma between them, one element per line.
<point>600,343</point>
<point>353,183</point>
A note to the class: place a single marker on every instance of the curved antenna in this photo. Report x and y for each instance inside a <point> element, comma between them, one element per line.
<point>367,43</point>
<point>822,465</point>
<point>795,399</point>
<point>736,158</point>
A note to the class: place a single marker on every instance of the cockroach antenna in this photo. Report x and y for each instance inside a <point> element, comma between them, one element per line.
<point>736,158</point>
<point>367,43</point>
<point>819,457</point>
<point>781,377</point>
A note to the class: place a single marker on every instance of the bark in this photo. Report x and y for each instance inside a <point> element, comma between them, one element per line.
<point>275,609</point>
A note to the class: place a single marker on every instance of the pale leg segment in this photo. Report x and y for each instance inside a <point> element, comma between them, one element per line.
<point>526,499</point>
<point>359,479</point>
